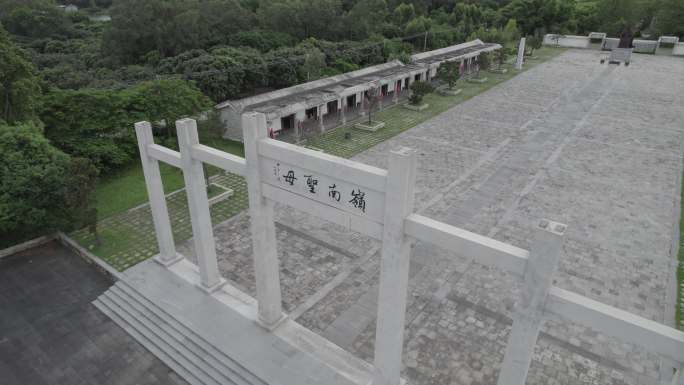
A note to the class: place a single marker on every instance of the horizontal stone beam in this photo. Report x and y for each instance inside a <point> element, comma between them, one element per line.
<point>483,250</point>
<point>650,335</point>
<point>325,164</point>
<point>320,210</point>
<point>220,159</point>
<point>164,154</point>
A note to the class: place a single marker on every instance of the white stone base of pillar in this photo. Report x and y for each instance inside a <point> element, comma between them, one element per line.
<point>272,326</point>
<point>210,289</point>
<point>166,262</point>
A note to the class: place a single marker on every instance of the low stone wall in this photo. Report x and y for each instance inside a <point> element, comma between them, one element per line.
<point>645,46</point>
<point>26,245</point>
<point>567,41</point>
<point>610,43</point>
<point>678,49</point>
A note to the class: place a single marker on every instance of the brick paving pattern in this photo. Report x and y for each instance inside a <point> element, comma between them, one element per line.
<point>128,237</point>
<point>596,147</point>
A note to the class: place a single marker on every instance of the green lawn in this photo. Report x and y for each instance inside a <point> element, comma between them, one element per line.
<point>126,189</point>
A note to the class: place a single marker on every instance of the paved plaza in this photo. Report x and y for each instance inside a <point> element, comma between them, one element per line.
<point>594,146</point>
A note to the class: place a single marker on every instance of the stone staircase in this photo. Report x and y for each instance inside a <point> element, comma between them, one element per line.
<point>184,351</point>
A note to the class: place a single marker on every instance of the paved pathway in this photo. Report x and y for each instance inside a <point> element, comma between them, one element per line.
<point>596,147</point>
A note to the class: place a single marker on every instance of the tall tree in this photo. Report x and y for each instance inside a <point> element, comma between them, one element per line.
<point>34,18</point>
<point>98,124</point>
<point>19,86</point>
<point>536,17</point>
<point>366,18</point>
<point>303,18</point>
<point>670,18</point>
<point>34,183</point>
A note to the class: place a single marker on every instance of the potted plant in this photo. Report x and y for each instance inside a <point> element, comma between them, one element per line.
<point>532,43</point>
<point>418,90</point>
<point>500,58</point>
<point>484,63</point>
<point>450,73</point>
<point>373,96</point>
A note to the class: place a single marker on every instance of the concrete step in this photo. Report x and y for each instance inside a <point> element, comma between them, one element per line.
<point>289,356</point>
<point>107,308</point>
<point>158,329</point>
<point>186,336</point>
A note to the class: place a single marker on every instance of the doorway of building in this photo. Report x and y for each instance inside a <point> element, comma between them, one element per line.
<point>351,101</point>
<point>332,107</point>
<point>287,123</point>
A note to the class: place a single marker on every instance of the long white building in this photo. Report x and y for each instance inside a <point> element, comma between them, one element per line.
<point>325,103</point>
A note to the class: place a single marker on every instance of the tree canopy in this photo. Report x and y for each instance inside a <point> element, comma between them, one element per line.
<point>19,86</point>
<point>98,124</point>
<point>34,178</point>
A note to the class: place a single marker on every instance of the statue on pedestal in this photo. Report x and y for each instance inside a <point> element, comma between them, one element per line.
<point>626,38</point>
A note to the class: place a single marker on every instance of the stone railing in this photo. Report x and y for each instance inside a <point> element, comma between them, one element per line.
<point>567,41</point>
<point>610,43</point>
<point>382,207</point>
<point>678,49</point>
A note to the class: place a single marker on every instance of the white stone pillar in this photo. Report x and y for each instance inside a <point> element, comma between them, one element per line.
<point>667,367</point>
<point>262,224</point>
<point>520,60</point>
<point>155,193</point>
<point>529,310</point>
<point>395,94</point>
<point>394,267</point>
<point>198,205</point>
<point>671,373</point>
<point>678,378</point>
<point>321,124</point>
<point>343,103</point>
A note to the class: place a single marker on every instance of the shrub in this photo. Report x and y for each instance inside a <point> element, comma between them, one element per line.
<point>485,61</point>
<point>450,73</point>
<point>418,90</point>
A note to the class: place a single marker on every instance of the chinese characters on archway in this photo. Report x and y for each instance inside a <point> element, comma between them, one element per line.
<point>353,197</point>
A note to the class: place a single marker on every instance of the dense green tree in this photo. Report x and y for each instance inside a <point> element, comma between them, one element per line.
<point>251,62</point>
<point>93,124</point>
<point>484,61</point>
<point>19,86</point>
<point>165,101</point>
<point>34,18</point>
<point>450,73</point>
<point>670,18</point>
<point>80,195</point>
<point>539,16</point>
<point>303,18</point>
<point>404,13</point>
<point>418,91</point>
<point>366,18</point>
<point>416,28</point>
<point>220,19</point>
<point>34,178</point>
<point>263,40</point>
<point>98,124</point>
<point>219,77</point>
<point>169,27</point>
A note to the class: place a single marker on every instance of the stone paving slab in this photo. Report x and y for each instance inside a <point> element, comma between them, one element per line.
<point>597,147</point>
